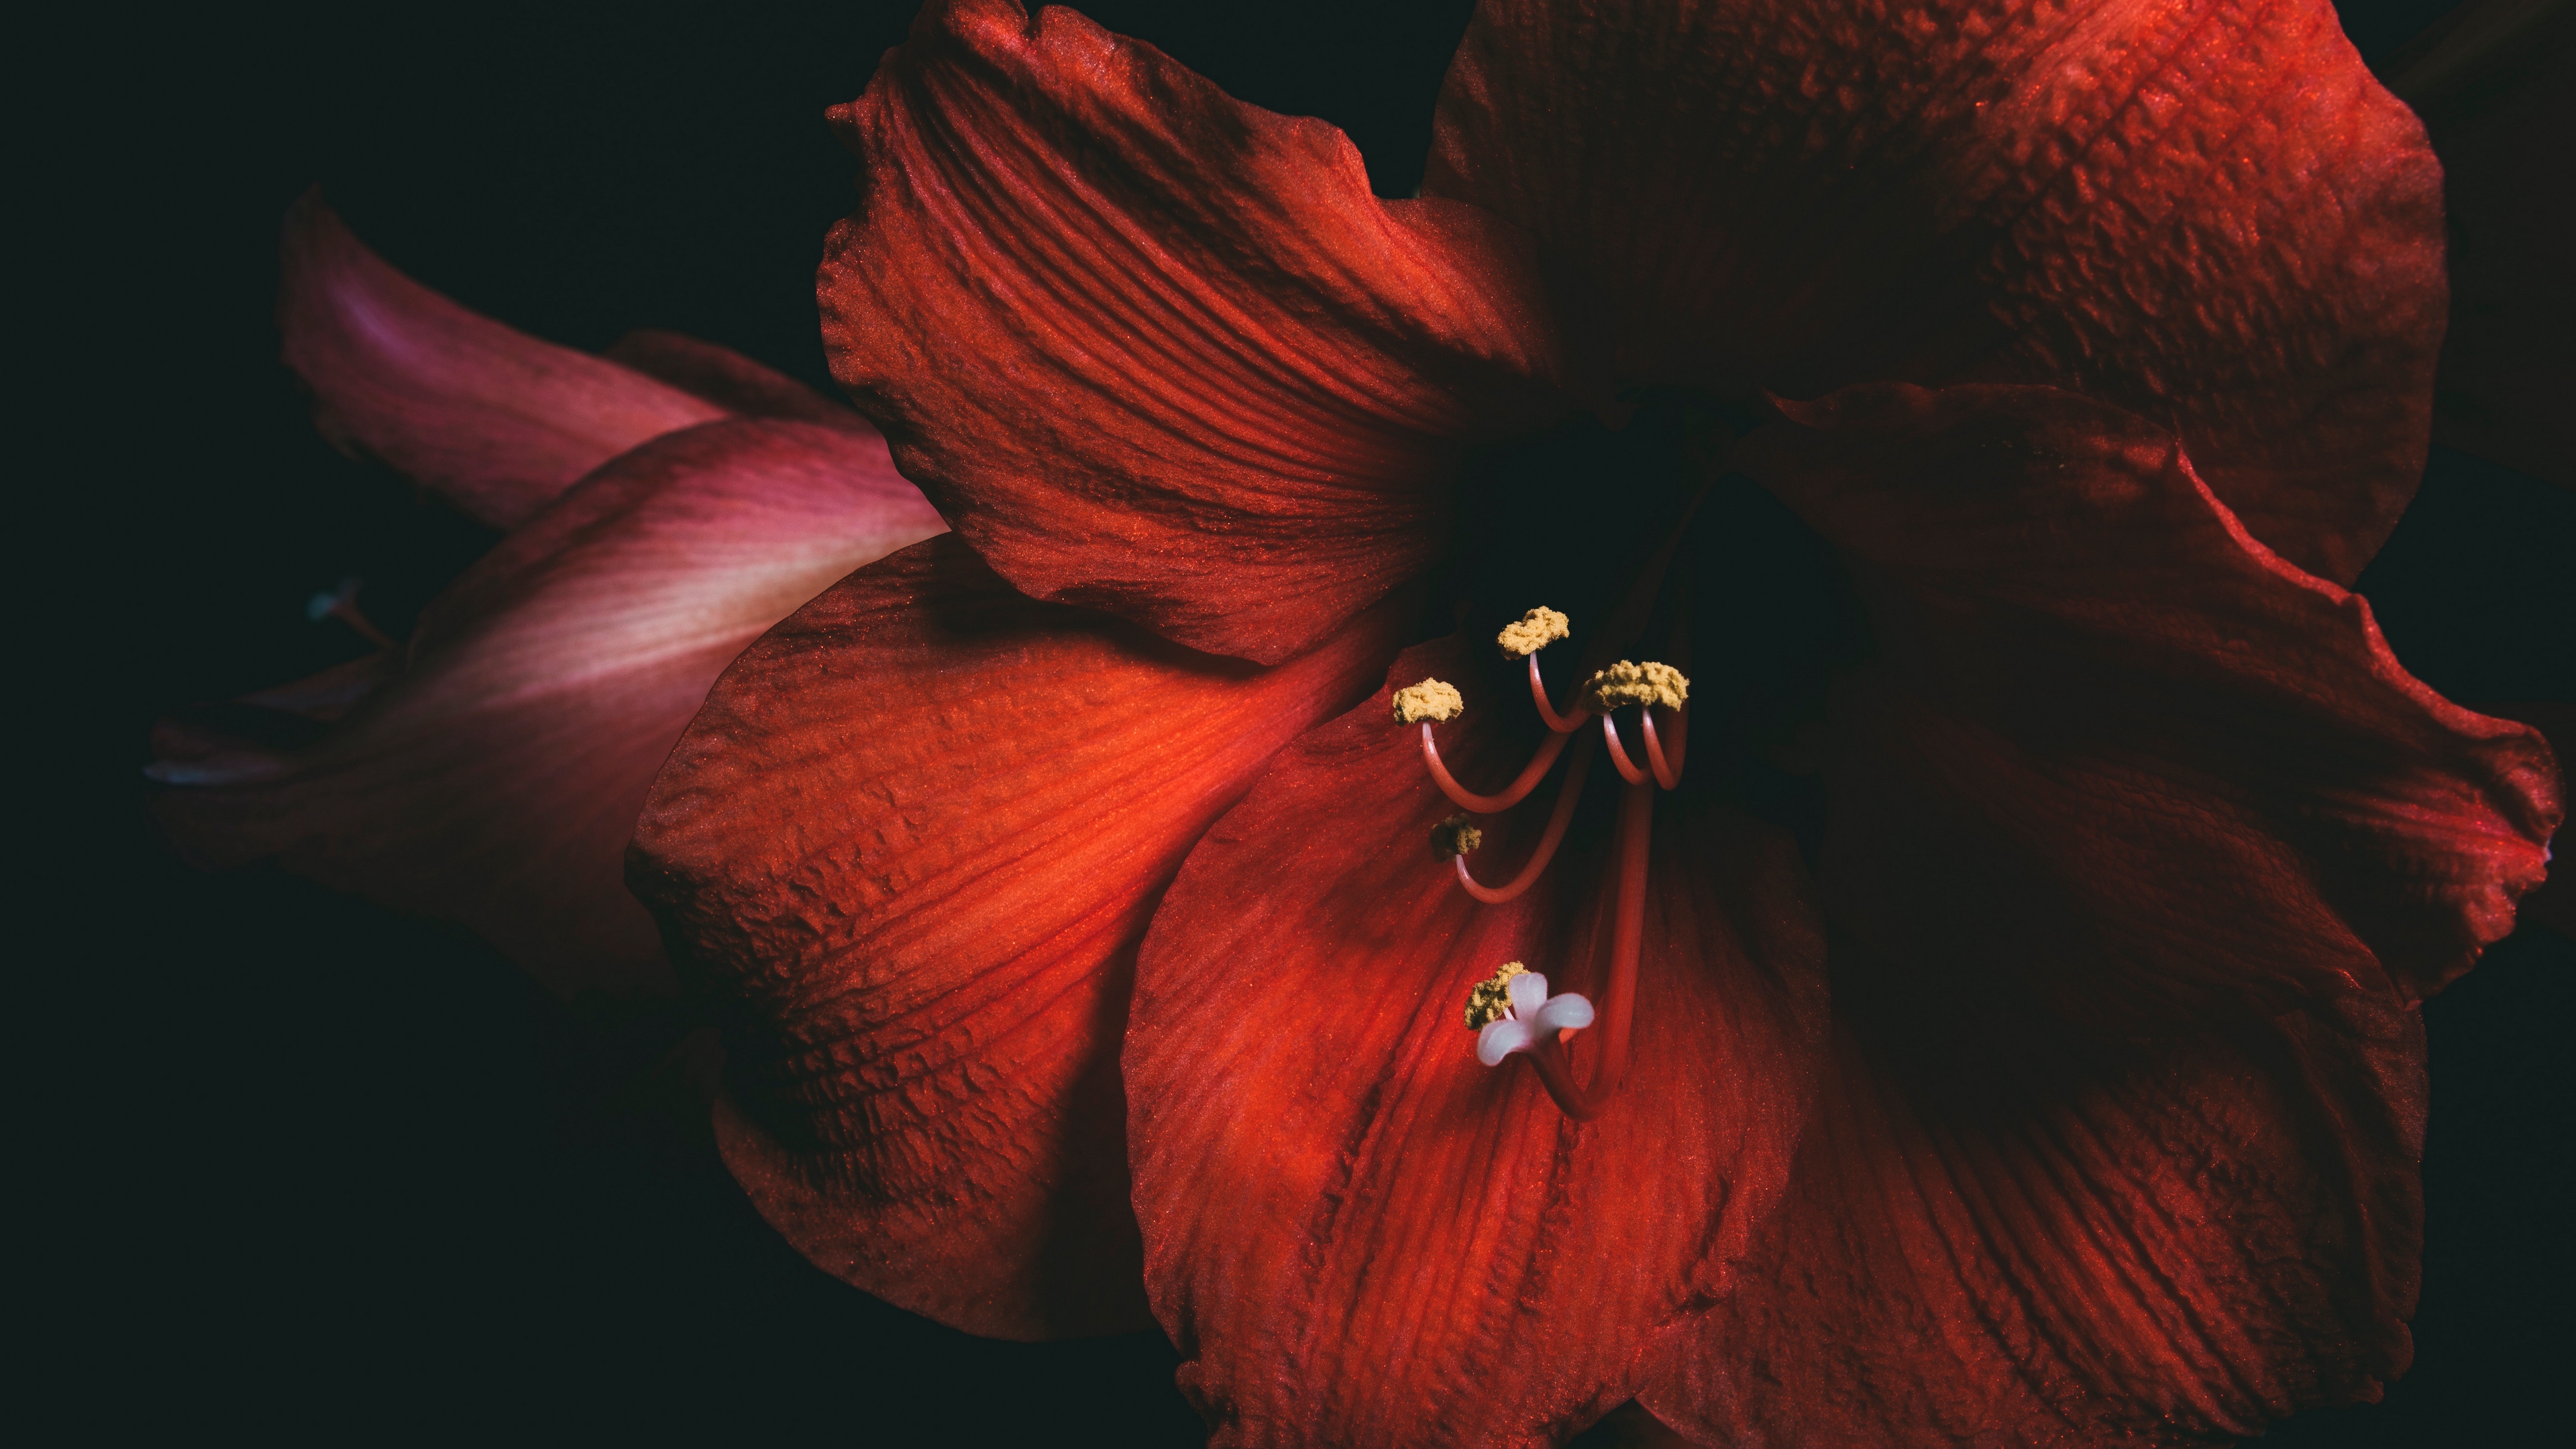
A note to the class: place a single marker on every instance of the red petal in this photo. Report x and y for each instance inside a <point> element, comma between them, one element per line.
<point>494,779</point>
<point>915,836</point>
<point>2496,86</point>
<point>728,379</point>
<point>2206,213</point>
<point>2554,904</point>
<point>2119,754</point>
<point>493,420</point>
<point>2007,1230</point>
<point>1153,350</point>
<point>1355,1232</point>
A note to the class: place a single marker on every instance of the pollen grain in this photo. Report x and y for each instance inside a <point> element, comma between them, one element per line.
<point>1536,630</point>
<point>1628,682</point>
<point>1490,1000</point>
<point>1454,837</point>
<point>1431,699</point>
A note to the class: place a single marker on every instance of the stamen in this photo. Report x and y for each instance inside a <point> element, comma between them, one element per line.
<point>1628,682</point>
<point>1668,773</point>
<point>1511,1012</point>
<point>1563,724</point>
<point>1511,795</point>
<point>1627,768</point>
<point>1490,1000</point>
<point>1569,793</point>
<point>1452,838</point>
<point>1525,1019</point>
<point>1536,630</point>
<point>1431,699</point>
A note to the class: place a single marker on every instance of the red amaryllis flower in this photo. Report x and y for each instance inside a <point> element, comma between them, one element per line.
<point>2041,1076</point>
<point>2063,1089</point>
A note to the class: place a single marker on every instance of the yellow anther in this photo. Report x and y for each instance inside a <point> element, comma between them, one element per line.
<point>1455,837</point>
<point>1430,699</point>
<point>1490,998</point>
<point>1537,629</point>
<point>1628,682</point>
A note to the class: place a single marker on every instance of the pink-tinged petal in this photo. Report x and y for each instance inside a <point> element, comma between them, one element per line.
<point>728,379</point>
<point>1355,1232</point>
<point>2009,1229</point>
<point>1158,352</point>
<point>2118,754</point>
<point>494,421</point>
<point>493,777</point>
<point>913,840</point>
<point>2496,85</point>
<point>2204,211</point>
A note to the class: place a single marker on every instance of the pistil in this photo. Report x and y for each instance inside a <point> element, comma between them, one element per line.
<point>1547,1054</point>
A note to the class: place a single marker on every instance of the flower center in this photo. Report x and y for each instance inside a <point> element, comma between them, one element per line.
<point>1512,1012</point>
<point>1563,515</point>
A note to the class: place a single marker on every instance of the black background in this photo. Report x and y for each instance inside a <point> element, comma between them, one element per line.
<point>317,1171</point>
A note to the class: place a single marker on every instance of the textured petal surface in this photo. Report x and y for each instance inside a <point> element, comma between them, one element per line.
<point>493,777</point>
<point>913,839</point>
<point>2202,210</point>
<point>1355,1232</point>
<point>2496,86</point>
<point>2118,755</point>
<point>496,422</point>
<point>1153,350</point>
<point>2006,1229</point>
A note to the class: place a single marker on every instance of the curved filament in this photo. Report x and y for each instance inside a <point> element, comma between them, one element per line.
<point>1512,793</point>
<point>1569,792</point>
<point>1563,724</point>
<point>1628,770</point>
<point>1668,772</point>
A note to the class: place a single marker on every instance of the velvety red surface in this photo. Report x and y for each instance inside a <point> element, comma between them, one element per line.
<point>2144,764</point>
<point>1356,1232</point>
<point>1156,351</point>
<point>914,838</point>
<point>2208,214</point>
<point>2141,845</point>
<point>2005,1227</point>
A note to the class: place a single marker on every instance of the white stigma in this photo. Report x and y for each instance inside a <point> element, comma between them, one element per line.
<point>1534,1017</point>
